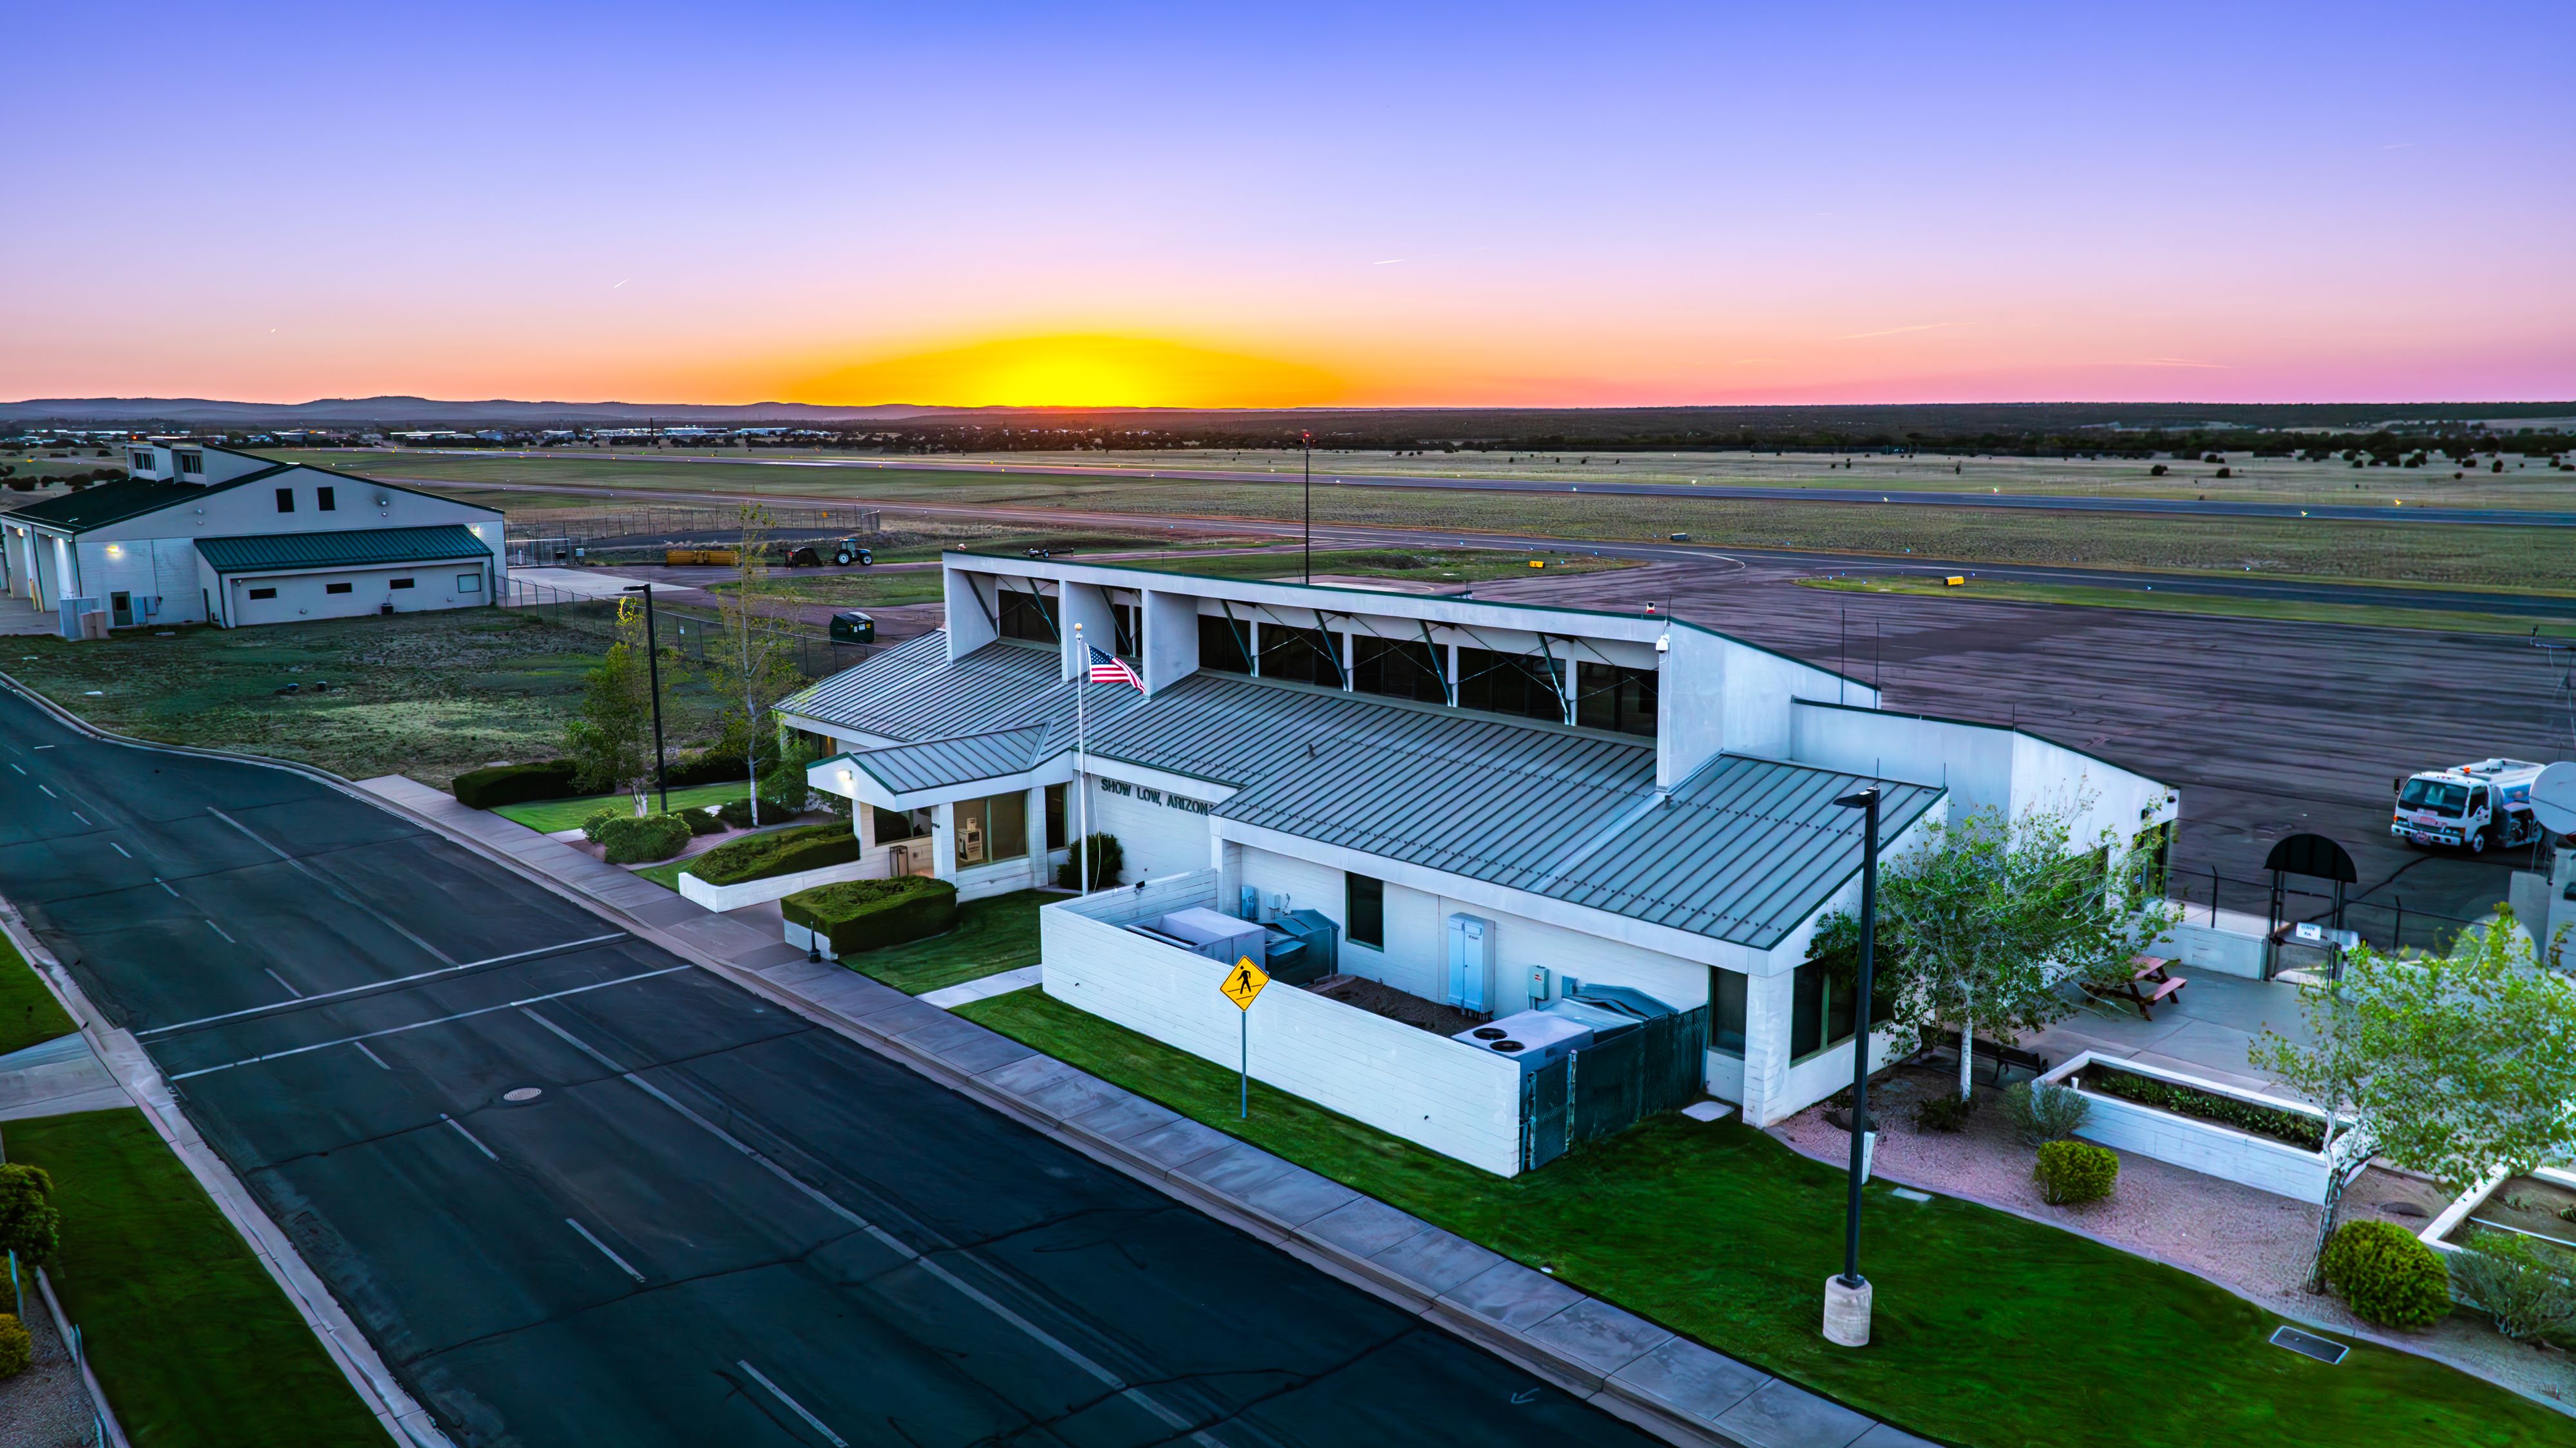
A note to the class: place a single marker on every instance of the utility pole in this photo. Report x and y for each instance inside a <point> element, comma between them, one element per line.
<point>653,671</point>
<point>1308,438</point>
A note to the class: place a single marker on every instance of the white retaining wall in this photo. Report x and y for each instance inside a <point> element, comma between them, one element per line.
<point>776,887</point>
<point>2210,948</point>
<point>2202,1146</point>
<point>1450,1097</point>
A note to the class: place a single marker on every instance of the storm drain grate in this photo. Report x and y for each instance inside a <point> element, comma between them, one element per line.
<point>2308,1344</point>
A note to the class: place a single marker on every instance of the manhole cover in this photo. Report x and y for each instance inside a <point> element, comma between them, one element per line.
<point>2308,1344</point>
<point>523,1093</point>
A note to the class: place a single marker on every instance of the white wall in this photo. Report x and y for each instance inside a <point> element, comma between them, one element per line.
<point>1088,607</point>
<point>1450,1097</point>
<point>1154,839</point>
<point>1171,639</point>
<point>308,595</point>
<point>2202,1146</point>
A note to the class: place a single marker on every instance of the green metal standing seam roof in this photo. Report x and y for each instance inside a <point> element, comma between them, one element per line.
<point>342,548</point>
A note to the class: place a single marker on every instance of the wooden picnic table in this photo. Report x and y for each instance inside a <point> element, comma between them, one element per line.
<point>2147,987</point>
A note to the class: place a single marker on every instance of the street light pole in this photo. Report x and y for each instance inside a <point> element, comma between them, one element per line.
<point>653,670</point>
<point>1308,439</point>
<point>1847,1297</point>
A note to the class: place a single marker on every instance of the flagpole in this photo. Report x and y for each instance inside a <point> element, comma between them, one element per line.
<point>1082,756</point>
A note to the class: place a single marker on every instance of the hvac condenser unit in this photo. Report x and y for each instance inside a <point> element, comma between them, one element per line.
<point>1471,962</point>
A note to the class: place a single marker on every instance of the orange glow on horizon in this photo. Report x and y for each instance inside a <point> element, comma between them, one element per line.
<point>1076,370</point>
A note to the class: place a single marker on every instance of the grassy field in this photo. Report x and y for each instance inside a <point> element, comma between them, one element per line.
<point>2379,616</point>
<point>1989,1329</point>
<point>425,694</point>
<point>2499,556</point>
<point>995,934</point>
<point>29,1014</point>
<point>550,815</point>
<point>852,590</point>
<point>193,1342</point>
<point>1426,565</point>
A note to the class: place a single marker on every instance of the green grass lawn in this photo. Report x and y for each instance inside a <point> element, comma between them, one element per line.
<point>1424,565</point>
<point>550,815</point>
<point>29,1014</point>
<point>2183,600</point>
<point>994,934</point>
<point>192,1340</point>
<point>1989,1330</point>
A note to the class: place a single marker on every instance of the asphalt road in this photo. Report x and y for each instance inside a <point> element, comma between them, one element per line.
<point>578,1192</point>
<point>1335,535</point>
<point>2045,502</point>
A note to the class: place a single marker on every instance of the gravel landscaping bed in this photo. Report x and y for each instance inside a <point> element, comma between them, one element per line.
<point>2251,1242</point>
<point>45,1406</point>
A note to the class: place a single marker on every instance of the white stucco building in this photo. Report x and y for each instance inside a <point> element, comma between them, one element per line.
<point>1614,799</point>
<point>204,534</point>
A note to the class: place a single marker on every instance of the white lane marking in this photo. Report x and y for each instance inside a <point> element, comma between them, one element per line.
<point>329,884</point>
<point>370,1055</point>
<point>165,885</point>
<point>780,1394</point>
<point>219,930</point>
<point>419,1025</point>
<point>42,746</point>
<point>469,1136</point>
<point>382,984</point>
<point>629,1269</point>
<point>889,1241</point>
<point>22,770</point>
<point>281,981</point>
<point>84,819</point>
<point>120,849</point>
<point>49,794</point>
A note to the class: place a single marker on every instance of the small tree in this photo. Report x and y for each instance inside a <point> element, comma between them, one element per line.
<point>610,740</point>
<point>1985,921</point>
<point>2459,1066</point>
<point>29,1225</point>
<point>754,667</point>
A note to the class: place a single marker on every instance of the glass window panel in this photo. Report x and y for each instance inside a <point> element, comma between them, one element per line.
<point>1726,1011</point>
<point>1364,910</point>
<point>1221,645</point>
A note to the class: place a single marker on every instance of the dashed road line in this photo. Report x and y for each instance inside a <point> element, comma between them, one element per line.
<point>382,984</point>
<point>780,1394</point>
<point>628,1268</point>
<point>281,981</point>
<point>370,1055</point>
<point>423,1025</point>
<point>228,940</point>
<point>120,849</point>
<point>469,1136</point>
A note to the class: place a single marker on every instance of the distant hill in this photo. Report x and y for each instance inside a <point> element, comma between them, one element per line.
<point>431,412</point>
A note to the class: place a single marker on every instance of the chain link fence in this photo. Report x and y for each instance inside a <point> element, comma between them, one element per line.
<point>2384,924</point>
<point>681,633</point>
<point>542,537</point>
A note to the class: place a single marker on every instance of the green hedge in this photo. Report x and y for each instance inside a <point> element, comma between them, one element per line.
<point>2072,1173</point>
<point>863,915</point>
<point>2387,1274</point>
<point>633,840</point>
<point>2297,1130</point>
<point>778,852</point>
<point>696,769</point>
<point>515,783</point>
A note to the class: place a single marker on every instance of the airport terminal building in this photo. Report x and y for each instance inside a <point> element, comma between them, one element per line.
<point>1488,801</point>
<point>202,534</point>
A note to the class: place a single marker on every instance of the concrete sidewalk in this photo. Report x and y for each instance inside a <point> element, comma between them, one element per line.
<point>1619,1362</point>
<point>57,1078</point>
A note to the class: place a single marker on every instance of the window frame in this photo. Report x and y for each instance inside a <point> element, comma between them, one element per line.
<point>286,500</point>
<point>332,588</point>
<point>1363,904</point>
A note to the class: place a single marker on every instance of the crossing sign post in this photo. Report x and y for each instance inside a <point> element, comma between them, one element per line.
<point>1242,984</point>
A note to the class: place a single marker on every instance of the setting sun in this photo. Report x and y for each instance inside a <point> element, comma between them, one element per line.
<point>1077,371</point>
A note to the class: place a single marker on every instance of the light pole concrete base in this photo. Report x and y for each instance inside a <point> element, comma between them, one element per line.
<point>1846,1312</point>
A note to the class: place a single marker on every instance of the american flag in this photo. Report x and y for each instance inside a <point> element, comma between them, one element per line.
<point>1110,669</point>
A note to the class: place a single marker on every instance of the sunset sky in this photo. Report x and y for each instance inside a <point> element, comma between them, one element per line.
<point>1278,206</point>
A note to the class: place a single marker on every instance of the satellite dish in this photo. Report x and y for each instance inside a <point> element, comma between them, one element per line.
<point>2553,798</point>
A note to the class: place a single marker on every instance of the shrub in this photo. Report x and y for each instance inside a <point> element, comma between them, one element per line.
<point>2387,1275</point>
<point>1106,861</point>
<point>862,915</point>
<point>2042,1114</point>
<point>1944,1112</point>
<point>2286,1126</point>
<point>2526,1289</point>
<point>515,783</point>
<point>702,821</point>
<point>776,852</point>
<point>29,1225</point>
<point>632,840</point>
<point>737,813</point>
<point>601,818</point>
<point>17,1346</point>
<point>2072,1173</point>
<point>704,768</point>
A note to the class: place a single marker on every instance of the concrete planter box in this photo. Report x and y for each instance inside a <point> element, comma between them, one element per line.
<point>776,887</point>
<point>2437,1235</point>
<point>2207,1147</point>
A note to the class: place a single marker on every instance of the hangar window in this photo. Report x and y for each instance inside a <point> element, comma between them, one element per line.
<point>1129,621</point>
<point>1615,697</point>
<point>399,583</point>
<point>286,500</point>
<point>1221,645</point>
<point>192,463</point>
<point>1308,655</point>
<point>263,593</point>
<point>335,588</point>
<point>326,500</point>
<point>1025,615</point>
<point>1397,668</point>
<point>1499,683</point>
<point>469,583</point>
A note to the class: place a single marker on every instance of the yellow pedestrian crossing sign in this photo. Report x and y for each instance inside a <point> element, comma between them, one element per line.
<point>1244,982</point>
